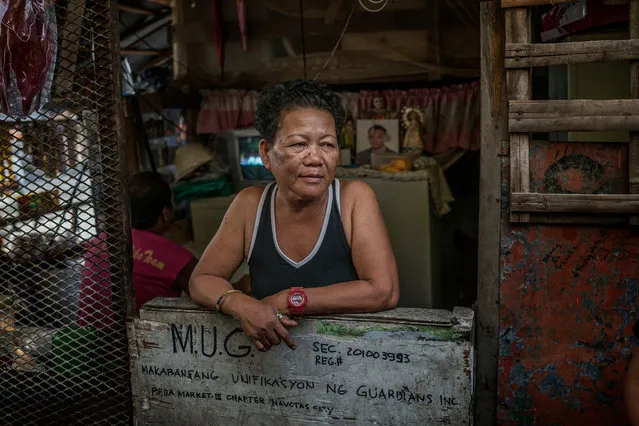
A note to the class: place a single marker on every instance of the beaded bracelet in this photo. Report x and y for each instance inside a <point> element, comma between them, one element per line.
<point>220,300</point>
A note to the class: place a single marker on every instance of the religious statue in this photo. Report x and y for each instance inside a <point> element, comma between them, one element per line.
<point>347,137</point>
<point>412,121</point>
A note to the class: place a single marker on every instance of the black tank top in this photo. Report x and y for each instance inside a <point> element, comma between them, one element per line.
<point>329,262</point>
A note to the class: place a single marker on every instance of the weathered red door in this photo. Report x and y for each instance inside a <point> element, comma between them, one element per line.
<point>559,265</point>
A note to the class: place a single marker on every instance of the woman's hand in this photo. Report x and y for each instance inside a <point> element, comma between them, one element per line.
<point>279,301</point>
<point>259,321</point>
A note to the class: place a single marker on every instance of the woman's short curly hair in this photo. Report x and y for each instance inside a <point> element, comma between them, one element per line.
<point>289,95</point>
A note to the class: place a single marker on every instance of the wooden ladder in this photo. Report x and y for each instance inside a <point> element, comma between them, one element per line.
<point>526,115</point>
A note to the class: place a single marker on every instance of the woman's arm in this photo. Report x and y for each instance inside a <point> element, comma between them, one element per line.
<point>221,258</point>
<point>378,287</point>
<point>182,280</point>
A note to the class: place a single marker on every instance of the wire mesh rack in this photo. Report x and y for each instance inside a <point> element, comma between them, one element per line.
<point>65,287</point>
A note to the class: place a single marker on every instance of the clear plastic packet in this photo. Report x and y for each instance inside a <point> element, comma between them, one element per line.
<point>28,47</point>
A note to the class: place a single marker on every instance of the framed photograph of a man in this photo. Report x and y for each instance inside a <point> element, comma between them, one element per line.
<point>378,136</point>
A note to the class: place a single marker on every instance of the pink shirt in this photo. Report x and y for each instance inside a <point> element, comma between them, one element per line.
<point>157,261</point>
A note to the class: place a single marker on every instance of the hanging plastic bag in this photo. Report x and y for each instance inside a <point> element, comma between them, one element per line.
<point>28,46</point>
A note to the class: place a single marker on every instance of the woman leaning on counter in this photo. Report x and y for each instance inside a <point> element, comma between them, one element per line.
<point>313,245</point>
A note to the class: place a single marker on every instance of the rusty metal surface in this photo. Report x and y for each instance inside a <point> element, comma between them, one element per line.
<point>196,367</point>
<point>568,295</point>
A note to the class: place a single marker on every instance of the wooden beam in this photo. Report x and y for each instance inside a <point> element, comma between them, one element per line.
<point>633,150</point>
<point>149,34</point>
<point>562,115</point>
<point>157,62</point>
<point>524,55</point>
<point>519,30</point>
<point>494,130</point>
<point>148,52</point>
<point>560,108</point>
<point>575,203</point>
<point>136,10</point>
<point>579,219</point>
<point>525,3</point>
<point>135,34</point>
<point>555,123</point>
<point>514,50</point>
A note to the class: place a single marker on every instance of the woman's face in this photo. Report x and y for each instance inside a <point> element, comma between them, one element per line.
<point>303,157</point>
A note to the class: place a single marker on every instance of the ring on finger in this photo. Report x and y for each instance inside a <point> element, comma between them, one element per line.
<point>279,316</point>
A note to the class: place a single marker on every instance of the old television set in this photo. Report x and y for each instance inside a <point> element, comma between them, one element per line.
<point>245,162</point>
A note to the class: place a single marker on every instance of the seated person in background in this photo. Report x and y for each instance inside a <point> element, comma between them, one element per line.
<point>161,268</point>
<point>377,138</point>
<point>313,245</point>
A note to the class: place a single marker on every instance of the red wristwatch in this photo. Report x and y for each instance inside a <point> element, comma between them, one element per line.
<point>296,300</point>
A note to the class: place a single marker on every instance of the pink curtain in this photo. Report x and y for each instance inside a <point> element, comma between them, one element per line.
<point>458,122</point>
<point>223,110</point>
<point>451,114</point>
<point>350,102</point>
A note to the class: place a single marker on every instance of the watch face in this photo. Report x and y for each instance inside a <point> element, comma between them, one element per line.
<point>297,299</point>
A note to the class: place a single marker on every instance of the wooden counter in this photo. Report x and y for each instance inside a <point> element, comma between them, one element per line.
<point>405,366</point>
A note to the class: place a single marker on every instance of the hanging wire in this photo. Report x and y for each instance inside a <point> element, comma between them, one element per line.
<point>339,41</point>
<point>303,38</point>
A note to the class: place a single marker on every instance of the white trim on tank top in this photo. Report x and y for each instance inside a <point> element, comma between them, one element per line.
<point>320,239</point>
<point>338,194</point>
<point>258,217</point>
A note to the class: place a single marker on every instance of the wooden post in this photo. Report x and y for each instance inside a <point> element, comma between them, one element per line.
<point>633,150</point>
<point>518,30</point>
<point>111,119</point>
<point>494,134</point>
<point>180,57</point>
<point>132,144</point>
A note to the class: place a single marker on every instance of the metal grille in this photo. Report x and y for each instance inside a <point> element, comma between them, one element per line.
<point>65,288</point>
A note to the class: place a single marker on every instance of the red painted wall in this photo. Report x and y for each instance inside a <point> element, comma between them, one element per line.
<point>568,298</point>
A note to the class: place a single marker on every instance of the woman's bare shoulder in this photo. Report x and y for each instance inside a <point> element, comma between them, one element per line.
<point>249,197</point>
<point>352,190</point>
